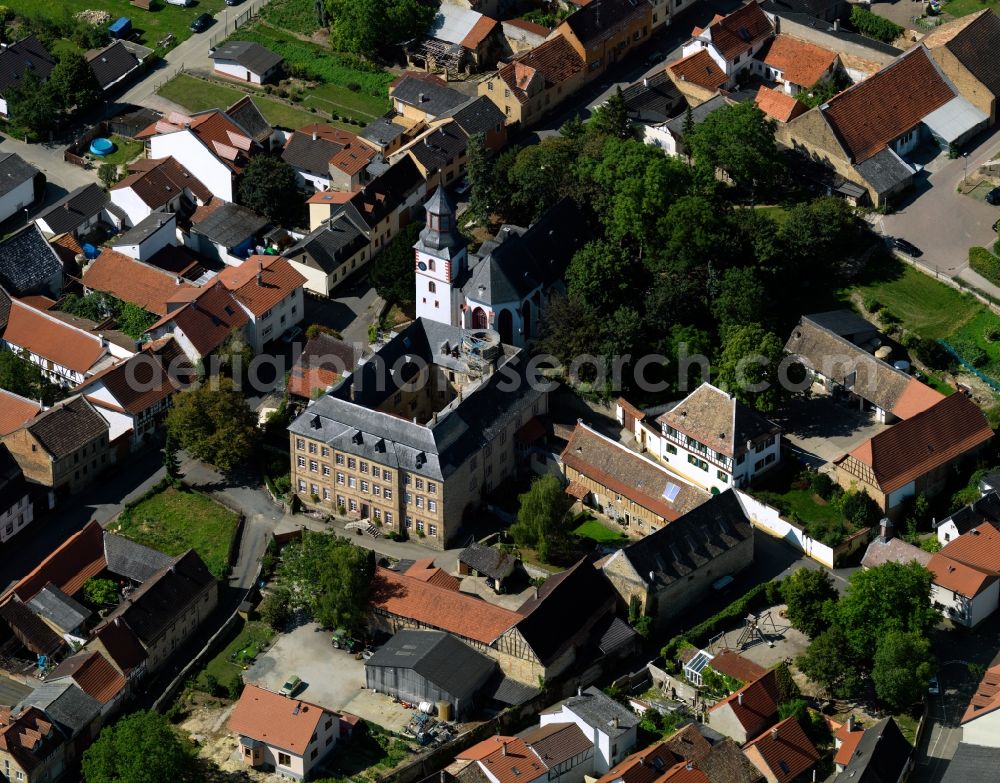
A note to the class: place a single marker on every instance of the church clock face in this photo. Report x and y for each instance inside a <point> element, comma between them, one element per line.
<point>421,266</point>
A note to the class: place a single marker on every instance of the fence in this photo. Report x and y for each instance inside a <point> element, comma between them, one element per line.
<point>975,371</point>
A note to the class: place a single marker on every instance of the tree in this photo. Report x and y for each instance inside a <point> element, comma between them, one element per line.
<point>890,597</point>
<point>100,592</point>
<point>573,128</point>
<point>212,422</point>
<point>597,275</point>
<point>392,270</point>
<point>541,515</point>
<point>134,320</point>
<point>810,595</point>
<point>31,106</point>
<point>611,118</point>
<point>72,83</point>
<point>748,366</point>
<point>830,662</point>
<point>739,140</point>
<point>362,26</point>
<point>21,376</point>
<point>570,328</point>
<point>269,187</point>
<point>139,748</point>
<point>742,298</point>
<point>859,509</point>
<point>482,175</point>
<point>107,173</point>
<point>874,26</point>
<point>903,666</point>
<point>275,609</point>
<point>171,464</point>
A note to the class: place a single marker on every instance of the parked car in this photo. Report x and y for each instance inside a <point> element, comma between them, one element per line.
<point>291,686</point>
<point>201,23</point>
<point>993,197</point>
<point>907,247</point>
<point>934,686</point>
<point>233,2</point>
<point>182,3</point>
<point>292,335</point>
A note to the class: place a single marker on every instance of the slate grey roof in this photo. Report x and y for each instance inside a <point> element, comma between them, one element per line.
<point>488,561</point>
<point>112,63</point>
<point>438,657</point>
<point>27,54</point>
<point>246,114</point>
<point>440,237</point>
<point>881,755</point>
<point>844,323</point>
<point>507,691</point>
<point>250,55</point>
<point>428,96</point>
<point>14,170</point>
<point>690,542</point>
<point>11,692</point>
<point>75,208</point>
<point>437,149</point>
<point>313,155</point>
<point>698,115</point>
<point>134,561</point>
<point>985,509</point>
<point>436,451</point>
<point>654,99</point>
<point>382,131</point>
<point>27,261</point>
<point>54,605</point>
<point>971,763</point>
<point>976,48</point>
<point>230,225</point>
<point>612,634</point>
<point>478,115</point>
<point>519,261</point>
<point>884,170</point>
<point>29,628</point>
<point>598,18</point>
<point>144,229</point>
<point>65,703</point>
<point>599,711</point>
<point>330,245</point>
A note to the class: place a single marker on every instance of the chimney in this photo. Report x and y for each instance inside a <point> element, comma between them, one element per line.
<point>178,281</point>
<point>645,82</point>
<point>836,24</point>
<point>579,688</point>
<point>504,746</point>
<point>642,761</point>
<point>444,776</point>
<point>315,136</point>
<point>614,722</point>
<point>739,698</point>
<point>420,97</point>
<point>689,766</point>
<point>850,723</point>
<point>774,732</point>
<point>886,529</point>
<point>260,275</point>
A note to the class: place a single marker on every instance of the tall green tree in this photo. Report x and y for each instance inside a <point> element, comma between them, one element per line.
<point>599,275</point>
<point>171,464</point>
<point>269,187</point>
<point>20,376</point>
<point>31,106</point>
<point>903,666</point>
<point>890,597</point>
<point>811,599</point>
<point>363,26</point>
<point>212,422</point>
<point>742,298</point>
<point>481,172</point>
<point>134,320</point>
<point>830,661</point>
<point>139,748</point>
<point>611,118</point>
<point>72,83</point>
<point>541,515</point>
<point>748,366</point>
<point>739,140</point>
<point>570,328</point>
<point>392,272</point>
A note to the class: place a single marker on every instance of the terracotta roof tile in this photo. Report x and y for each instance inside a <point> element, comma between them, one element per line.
<point>755,704</point>
<point>78,558</point>
<point>441,609</point>
<point>52,339</point>
<point>531,27</point>
<point>978,548</point>
<point>276,720</point>
<point>778,104</point>
<point>132,281</point>
<point>849,740</point>
<point>330,197</point>
<point>643,766</point>
<point>123,648</point>
<point>786,750</point>
<point>986,699</point>
<point>137,384</point>
<point>483,27</point>
<point>700,69</point>
<point>555,61</point>
<point>959,577</point>
<point>800,62</point>
<point>15,411</point>
<point>735,665</point>
<point>912,448</point>
<point>207,320</point>
<point>93,673</point>
<point>887,104</point>
<point>736,32</point>
<point>261,282</point>
<point>162,181</point>
<point>426,571</point>
<point>508,760</point>
<point>67,247</point>
<point>916,398</point>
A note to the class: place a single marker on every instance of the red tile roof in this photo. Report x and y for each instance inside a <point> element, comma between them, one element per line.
<point>132,281</point>
<point>914,447</point>
<point>867,116</point>
<point>137,384</point>
<point>736,666</point>
<point>67,247</point>
<point>958,577</point>
<point>330,197</point>
<point>916,398</point>
<point>643,766</point>
<point>786,750</point>
<point>276,720</point>
<point>978,548</point>
<point>700,69</point>
<point>353,158</point>
<point>261,282</point>
<point>78,558</point>
<point>123,648</point>
<point>426,571</point>
<point>52,339</point>
<point>157,181</point>
<point>483,27</point>
<point>93,673</point>
<point>506,759</point>
<point>849,740</point>
<point>754,704</point>
<point>554,61</point>
<point>15,411</point>
<point>986,699</point>
<point>800,62</point>
<point>531,27</point>
<point>738,31</point>
<point>778,104</point>
<point>208,320</point>
<point>441,609</point>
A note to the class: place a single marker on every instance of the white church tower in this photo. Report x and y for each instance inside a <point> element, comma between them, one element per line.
<point>441,258</point>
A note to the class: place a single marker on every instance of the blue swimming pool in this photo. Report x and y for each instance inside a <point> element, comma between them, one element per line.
<point>102,147</point>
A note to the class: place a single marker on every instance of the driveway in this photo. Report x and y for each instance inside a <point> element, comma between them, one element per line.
<point>943,223</point>
<point>350,312</point>
<point>820,429</point>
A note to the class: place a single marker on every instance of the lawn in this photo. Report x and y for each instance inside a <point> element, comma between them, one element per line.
<point>299,16</point>
<point>125,150</point>
<point>198,95</point>
<point>777,213</point>
<point>805,504</point>
<point>152,25</point>
<point>250,639</point>
<point>925,306</point>
<point>595,531</point>
<point>974,333</point>
<point>176,520</point>
<point>966,7</point>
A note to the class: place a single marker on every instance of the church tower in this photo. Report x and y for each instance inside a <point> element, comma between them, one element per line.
<point>441,258</point>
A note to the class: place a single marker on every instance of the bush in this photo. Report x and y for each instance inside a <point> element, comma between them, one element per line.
<point>822,485</point>
<point>353,87</point>
<point>888,317</point>
<point>991,334</point>
<point>871,304</point>
<point>973,353</point>
<point>931,353</point>
<point>985,263</point>
<point>275,609</point>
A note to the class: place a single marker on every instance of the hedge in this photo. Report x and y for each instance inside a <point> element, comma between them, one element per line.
<point>874,26</point>
<point>758,597</point>
<point>985,263</point>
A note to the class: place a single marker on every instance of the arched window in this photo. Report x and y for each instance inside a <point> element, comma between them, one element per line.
<point>432,287</point>
<point>479,320</point>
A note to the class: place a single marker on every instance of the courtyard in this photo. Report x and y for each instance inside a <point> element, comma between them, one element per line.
<point>820,429</point>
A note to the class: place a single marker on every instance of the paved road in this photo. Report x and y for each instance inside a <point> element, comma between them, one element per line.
<point>943,223</point>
